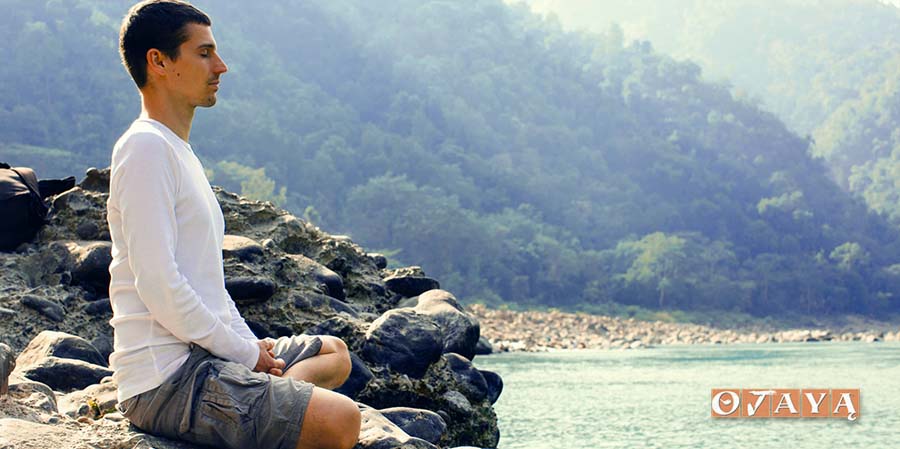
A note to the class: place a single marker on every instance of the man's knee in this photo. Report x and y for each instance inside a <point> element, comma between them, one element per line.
<point>332,421</point>
<point>344,365</point>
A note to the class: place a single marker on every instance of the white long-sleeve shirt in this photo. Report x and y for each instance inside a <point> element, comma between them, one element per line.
<point>167,286</point>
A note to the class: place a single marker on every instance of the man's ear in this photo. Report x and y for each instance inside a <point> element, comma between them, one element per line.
<point>156,61</point>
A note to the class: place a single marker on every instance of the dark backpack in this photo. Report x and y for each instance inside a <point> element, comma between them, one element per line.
<point>22,210</point>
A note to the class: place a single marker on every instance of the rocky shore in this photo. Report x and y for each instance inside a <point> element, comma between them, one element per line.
<point>411,342</point>
<point>507,330</point>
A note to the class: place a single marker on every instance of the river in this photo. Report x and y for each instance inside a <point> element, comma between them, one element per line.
<point>660,397</point>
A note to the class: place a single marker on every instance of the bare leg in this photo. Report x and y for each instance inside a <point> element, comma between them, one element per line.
<point>329,369</point>
<point>331,421</point>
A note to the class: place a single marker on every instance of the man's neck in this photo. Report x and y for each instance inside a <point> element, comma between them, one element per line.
<point>175,118</point>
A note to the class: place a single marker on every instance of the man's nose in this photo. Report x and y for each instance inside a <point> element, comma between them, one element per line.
<point>221,67</point>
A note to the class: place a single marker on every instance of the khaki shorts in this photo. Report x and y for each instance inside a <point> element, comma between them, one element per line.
<point>213,402</point>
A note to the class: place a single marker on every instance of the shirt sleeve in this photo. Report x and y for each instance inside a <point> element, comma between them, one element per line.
<point>145,180</point>
<point>238,323</point>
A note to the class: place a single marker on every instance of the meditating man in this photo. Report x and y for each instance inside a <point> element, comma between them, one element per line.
<point>186,364</point>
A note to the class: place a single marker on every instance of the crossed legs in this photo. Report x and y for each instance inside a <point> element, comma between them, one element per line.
<point>332,420</point>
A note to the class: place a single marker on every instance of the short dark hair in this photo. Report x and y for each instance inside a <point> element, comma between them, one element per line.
<point>159,24</point>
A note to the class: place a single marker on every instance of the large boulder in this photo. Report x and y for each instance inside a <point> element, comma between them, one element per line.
<point>419,423</point>
<point>64,374</point>
<point>471,381</point>
<point>403,340</point>
<point>250,289</point>
<point>61,345</point>
<point>460,330</point>
<point>378,432</point>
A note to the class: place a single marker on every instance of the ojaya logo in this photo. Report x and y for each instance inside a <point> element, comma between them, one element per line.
<point>785,403</point>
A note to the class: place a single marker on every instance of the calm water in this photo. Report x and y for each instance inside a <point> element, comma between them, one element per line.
<point>660,398</point>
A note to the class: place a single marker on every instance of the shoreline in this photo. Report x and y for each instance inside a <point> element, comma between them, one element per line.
<point>540,331</point>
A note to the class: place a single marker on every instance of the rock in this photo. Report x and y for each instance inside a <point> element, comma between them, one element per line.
<point>404,341</point>
<point>90,265</point>
<point>359,378</point>
<point>104,345</point>
<point>34,394</point>
<point>312,300</point>
<point>96,180</point>
<point>484,347</point>
<point>379,259</point>
<point>99,307</point>
<point>458,402</point>
<point>61,345</point>
<point>494,385</point>
<point>7,365</point>
<point>93,402</point>
<point>64,374</point>
<point>332,283</point>
<point>45,307</point>
<point>247,250</point>
<point>88,230</point>
<point>419,423</point>
<point>411,285</point>
<point>471,381</point>
<point>250,290</point>
<point>377,432</point>
<point>258,329</point>
<point>460,330</point>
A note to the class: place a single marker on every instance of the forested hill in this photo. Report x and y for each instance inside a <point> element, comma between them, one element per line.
<point>512,160</point>
<point>828,68</point>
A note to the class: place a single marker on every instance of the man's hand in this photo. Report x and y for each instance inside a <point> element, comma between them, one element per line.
<point>267,363</point>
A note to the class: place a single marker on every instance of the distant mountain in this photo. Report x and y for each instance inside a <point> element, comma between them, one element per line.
<point>513,160</point>
<point>828,68</point>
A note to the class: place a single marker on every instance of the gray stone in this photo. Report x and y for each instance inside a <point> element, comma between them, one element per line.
<point>403,340</point>
<point>470,380</point>
<point>332,283</point>
<point>377,432</point>
<point>90,265</point>
<point>494,384</point>
<point>88,230</point>
<point>35,394</point>
<point>313,300</point>
<point>419,423</point>
<point>99,307</point>
<point>96,180</point>
<point>7,365</point>
<point>246,250</point>
<point>64,374</point>
<point>484,347</point>
<point>411,285</point>
<point>250,290</point>
<point>45,307</point>
<point>61,345</point>
<point>78,403</point>
<point>460,330</point>
<point>458,402</point>
<point>379,259</point>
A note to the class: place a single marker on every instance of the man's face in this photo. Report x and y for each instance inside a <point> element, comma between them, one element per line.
<point>194,76</point>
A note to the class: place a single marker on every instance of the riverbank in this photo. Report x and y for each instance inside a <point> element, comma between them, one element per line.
<point>533,331</point>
